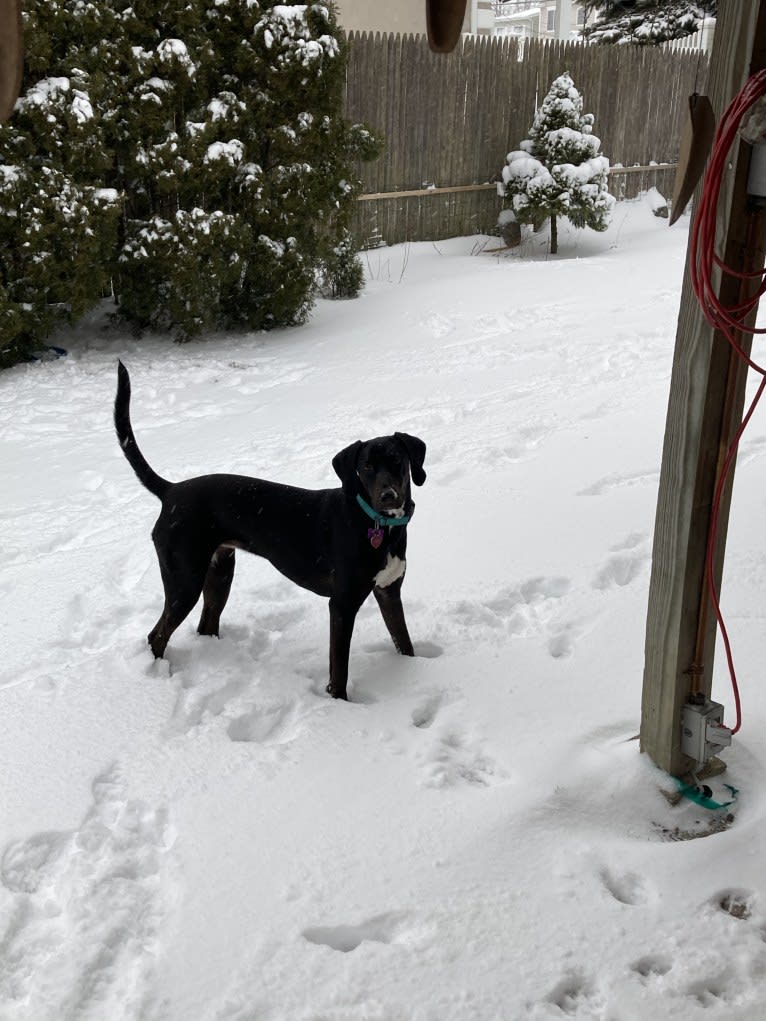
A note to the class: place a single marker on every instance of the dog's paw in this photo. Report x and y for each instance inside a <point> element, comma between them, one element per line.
<point>336,693</point>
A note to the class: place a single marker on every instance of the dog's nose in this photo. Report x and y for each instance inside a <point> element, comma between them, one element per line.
<point>389,496</point>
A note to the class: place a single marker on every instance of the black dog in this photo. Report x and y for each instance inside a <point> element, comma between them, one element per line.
<point>341,543</point>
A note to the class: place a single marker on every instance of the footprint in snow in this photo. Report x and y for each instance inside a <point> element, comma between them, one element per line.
<point>425,713</point>
<point>196,705</point>
<point>25,866</point>
<point>453,758</point>
<point>715,990</point>
<point>576,995</point>
<point>520,610</point>
<point>652,967</point>
<point>630,542</point>
<point>86,909</point>
<point>626,888</point>
<point>620,569</point>
<point>527,610</point>
<point>611,482</point>
<point>438,325</point>
<point>389,928</point>
<point>563,640</point>
<point>267,724</point>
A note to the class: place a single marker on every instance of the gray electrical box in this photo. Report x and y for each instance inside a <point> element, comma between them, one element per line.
<point>703,733</point>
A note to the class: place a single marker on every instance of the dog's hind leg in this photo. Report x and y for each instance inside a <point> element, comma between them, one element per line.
<point>183,580</point>
<point>216,590</point>
<point>389,600</point>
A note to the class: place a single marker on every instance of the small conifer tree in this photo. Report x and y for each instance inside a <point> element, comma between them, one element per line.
<point>558,170</point>
<point>342,274</point>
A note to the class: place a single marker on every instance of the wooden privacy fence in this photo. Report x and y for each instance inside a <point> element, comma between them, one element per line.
<point>449,120</point>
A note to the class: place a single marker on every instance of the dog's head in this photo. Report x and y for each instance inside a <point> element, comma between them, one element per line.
<point>380,469</point>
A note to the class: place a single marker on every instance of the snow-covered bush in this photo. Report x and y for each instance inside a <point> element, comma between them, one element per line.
<point>172,253</point>
<point>58,219</point>
<point>237,143</point>
<point>203,150</point>
<point>559,170</point>
<point>56,238</point>
<point>342,273</point>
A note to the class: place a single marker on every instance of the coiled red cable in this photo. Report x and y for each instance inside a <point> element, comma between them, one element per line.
<point>729,320</point>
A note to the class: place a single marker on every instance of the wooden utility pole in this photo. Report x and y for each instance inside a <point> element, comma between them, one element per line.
<point>705,408</point>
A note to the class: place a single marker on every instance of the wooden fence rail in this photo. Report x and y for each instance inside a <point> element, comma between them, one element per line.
<point>449,120</point>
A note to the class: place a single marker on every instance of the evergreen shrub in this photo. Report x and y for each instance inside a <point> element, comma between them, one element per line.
<point>193,158</point>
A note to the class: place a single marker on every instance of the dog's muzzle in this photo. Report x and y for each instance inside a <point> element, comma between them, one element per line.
<point>389,498</point>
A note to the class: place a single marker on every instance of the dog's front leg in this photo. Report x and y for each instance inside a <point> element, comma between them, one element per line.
<point>389,599</point>
<point>342,616</point>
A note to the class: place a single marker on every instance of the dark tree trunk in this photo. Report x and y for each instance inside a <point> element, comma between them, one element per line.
<point>554,236</point>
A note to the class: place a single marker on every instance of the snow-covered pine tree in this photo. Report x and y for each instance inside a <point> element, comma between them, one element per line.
<point>644,22</point>
<point>558,170</point>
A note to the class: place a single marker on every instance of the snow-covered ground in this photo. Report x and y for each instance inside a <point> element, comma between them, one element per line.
<point>475,837</point>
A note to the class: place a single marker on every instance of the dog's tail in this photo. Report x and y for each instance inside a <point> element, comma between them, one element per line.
<point>146,474</point>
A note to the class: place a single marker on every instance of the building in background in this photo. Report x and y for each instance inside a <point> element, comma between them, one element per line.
<point>544,19</point>
<point>408,16</point>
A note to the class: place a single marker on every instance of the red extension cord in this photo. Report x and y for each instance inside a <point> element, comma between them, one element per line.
<point>729,320</point>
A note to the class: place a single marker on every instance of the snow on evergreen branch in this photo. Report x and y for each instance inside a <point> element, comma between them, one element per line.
<point>645,22</point>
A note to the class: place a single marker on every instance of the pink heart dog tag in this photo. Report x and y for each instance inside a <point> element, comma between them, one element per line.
<point>375,535</point>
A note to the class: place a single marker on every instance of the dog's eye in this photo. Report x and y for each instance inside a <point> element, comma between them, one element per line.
<point>367,467</point>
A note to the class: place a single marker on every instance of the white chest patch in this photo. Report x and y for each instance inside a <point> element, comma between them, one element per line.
<point>393,570</point>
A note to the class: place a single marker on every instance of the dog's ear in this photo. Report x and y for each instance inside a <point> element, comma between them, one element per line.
<point>416,451</point>
<point>345,462</point>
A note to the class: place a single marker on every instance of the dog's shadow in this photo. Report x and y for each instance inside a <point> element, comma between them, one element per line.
<point>423,650</point>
